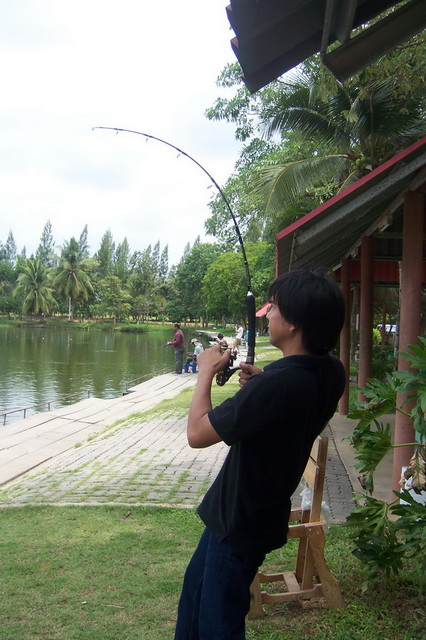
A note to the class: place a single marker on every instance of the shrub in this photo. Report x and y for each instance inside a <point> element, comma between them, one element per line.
<point>385,535</point>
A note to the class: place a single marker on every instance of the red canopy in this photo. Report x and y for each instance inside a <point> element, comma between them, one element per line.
<point>263,310</point>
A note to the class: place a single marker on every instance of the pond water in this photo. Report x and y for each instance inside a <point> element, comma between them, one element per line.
<point>39,365</point>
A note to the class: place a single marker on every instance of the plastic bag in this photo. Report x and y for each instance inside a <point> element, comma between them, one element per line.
<point>306,495</point>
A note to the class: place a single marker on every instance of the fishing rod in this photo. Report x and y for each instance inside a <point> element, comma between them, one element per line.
<point>223,376</point>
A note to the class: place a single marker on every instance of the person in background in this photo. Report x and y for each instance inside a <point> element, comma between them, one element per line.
<point>191,360</point>
<point>239,333</point>
<point>198,348</point>
<point>179,344</point>
<point>221,340</point>
<point>269,425</point>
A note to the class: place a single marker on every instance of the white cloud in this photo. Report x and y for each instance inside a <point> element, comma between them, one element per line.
<point>68,67</point>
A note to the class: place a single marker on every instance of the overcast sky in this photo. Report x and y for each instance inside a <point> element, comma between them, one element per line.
<point>67,67</point>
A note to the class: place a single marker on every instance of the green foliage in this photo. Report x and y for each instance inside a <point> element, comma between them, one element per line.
<point>105,255</point>
<point>362,124</point>
<point>33,285</point>
<point>225,284</point>
<point>116,302</point>
<point>320,135</point>
<point>381,542</point>
<point>121,261</point>
<point>376,338</point>
<point>411,525</point>
<point>372,446</point>
<point>189,278</point>
<point>71,278</point>
<point>414,384</point>
<point>9,249</point>
<point>377,545</point>
<point>382,361</point>
<point>381,397</point>
<point>46,249</point>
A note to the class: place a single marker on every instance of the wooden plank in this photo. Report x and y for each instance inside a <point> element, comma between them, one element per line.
<point>273,598</point>
<point>310,473</point>
<point>270,577</point>
<point>291,581</point>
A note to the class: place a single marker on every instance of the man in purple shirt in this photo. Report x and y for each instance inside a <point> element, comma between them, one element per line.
<point>179,344</point>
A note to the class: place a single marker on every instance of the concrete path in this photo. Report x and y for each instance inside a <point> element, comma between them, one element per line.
<point>80,454</point>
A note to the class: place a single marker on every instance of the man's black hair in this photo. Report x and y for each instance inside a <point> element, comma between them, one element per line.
<point>177,325</point>
<point>314,303</point>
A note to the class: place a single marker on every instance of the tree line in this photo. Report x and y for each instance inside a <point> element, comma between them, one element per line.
<point>305,137</point>
<point>207,285</point>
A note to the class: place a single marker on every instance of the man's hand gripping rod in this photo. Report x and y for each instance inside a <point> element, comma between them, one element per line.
<point>222,376</point>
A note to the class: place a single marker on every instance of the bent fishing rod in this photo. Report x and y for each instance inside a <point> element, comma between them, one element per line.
<point>223,376</point>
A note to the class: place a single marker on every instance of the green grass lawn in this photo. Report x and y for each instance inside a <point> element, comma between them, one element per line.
<point>110,573</point>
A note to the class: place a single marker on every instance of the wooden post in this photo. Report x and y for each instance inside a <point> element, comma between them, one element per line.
<point>366,310</point>
<point>345,336</point>
<point>410,307</point>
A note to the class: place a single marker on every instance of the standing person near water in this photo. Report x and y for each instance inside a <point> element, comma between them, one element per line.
<point>179,344</point>
<point>239,333</point>
<point>270,425</point>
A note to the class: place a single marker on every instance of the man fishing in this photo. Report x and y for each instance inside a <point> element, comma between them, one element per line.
<point>270,425</point>
<point>179,344</point>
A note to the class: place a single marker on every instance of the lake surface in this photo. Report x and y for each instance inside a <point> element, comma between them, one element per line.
<point>40,365</point>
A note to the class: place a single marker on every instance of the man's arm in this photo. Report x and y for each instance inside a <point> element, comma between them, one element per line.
<point>200,431</point>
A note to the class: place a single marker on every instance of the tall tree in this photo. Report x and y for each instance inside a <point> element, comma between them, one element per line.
<point>71,278</point>
<point>105,255</point>
<point>8,302</point>
<point>10,248</point>
<point>83,243</point>
<point>143,279</point>
<point>115,301</point>
<point>189,277</point>
<point>224,286</point>
<point>121,261</point>
<point>186,250</point>
<point>33,286</point>
<point>164,264</point>
<point>361,125</point>
<point>156,259</point>
<point>46,249</point>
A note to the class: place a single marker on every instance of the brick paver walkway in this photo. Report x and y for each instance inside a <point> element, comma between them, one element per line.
<point>146,462</point>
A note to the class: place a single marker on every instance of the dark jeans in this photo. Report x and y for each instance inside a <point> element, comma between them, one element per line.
<point>179,359</point>
<point>215,596</point>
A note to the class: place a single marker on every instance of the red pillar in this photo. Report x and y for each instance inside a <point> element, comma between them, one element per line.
<point>366,310</point>
<point>410,307</point>
<point>345,336</point>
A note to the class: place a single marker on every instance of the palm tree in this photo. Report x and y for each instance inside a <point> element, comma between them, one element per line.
<point>33,285</point>
<point>361,126</point>
<point>71,278</point>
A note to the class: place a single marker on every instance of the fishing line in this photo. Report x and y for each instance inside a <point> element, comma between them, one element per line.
<point>250,300</point>
<point>142,354</point>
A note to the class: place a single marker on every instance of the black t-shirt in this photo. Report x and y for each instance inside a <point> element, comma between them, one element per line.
<point>270,425</point>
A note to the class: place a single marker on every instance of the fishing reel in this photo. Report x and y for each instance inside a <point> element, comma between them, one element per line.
<point>223,376</point>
